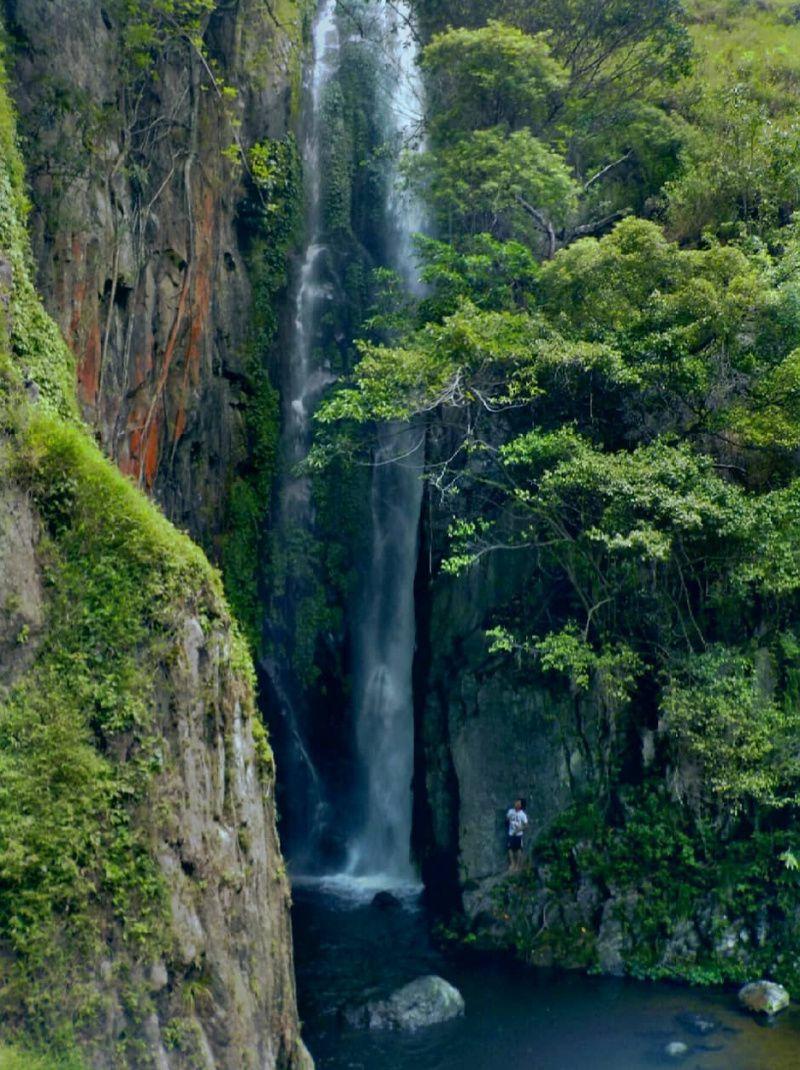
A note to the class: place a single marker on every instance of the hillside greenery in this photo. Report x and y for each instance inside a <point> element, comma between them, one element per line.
<point>608,355</point>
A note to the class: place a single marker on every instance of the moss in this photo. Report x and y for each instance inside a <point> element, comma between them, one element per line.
<point>25,1059</point>
<point>74,858</point>
<point>354,156</point>
<point>183,1035</point>
<point>270,218</point>
<point>667,870</point>
<point>79,741</point>
<point>41,356</point>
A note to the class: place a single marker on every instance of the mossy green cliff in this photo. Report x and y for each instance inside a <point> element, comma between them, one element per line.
<point>143,902</point>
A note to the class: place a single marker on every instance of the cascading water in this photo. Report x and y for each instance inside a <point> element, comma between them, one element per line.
<point>385,628</point>
<point>322,822</point>
<point>305,379</point>
<point>384,648</point>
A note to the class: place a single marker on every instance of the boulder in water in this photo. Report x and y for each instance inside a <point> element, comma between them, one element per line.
<point>426,1001</point>
<point>386,901</point>
<point>699,1024</point>
<point>676,1049</point>
<point>764,997</point>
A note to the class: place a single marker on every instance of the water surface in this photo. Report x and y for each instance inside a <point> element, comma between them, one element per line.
<point>516,1018</point>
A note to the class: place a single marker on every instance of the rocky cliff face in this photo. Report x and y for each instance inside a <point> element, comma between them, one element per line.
<point>211,819</point>
<point>488,734</point>
<point>135,221</point>
<point>616,877</point>
<point>144,908</point>
<point>217,989</point>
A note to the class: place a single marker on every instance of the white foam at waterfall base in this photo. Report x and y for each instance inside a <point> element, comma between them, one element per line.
<point>355,891</point>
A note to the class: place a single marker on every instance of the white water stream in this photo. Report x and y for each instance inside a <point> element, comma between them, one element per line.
<point>306,380</point>
<point>385,629</point>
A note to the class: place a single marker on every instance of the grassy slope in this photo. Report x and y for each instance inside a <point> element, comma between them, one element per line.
<point>730,34</point>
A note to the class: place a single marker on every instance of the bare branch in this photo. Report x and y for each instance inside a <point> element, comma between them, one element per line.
<point>541,220</point>
<point>605,170</point>
<point>587,229</point>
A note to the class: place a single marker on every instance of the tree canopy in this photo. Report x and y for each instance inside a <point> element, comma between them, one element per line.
<point>606,354</point>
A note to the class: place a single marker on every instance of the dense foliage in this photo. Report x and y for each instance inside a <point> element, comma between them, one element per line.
<point>607,358</point>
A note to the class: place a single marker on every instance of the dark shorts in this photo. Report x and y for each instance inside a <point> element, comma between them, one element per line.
<point>515,843</point>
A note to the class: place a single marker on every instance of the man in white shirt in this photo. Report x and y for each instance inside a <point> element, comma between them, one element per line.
<point>516,820</point>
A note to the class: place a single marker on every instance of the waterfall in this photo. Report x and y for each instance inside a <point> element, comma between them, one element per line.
<point>384,648</point>
<point>322,823</point>
<point>385,626</point>
<point>304,381</point>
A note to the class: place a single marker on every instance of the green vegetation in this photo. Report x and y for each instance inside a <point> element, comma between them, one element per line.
<point>40,354</point>
<point>549,118</point>
<point>610,339</point>
<point>739,171</point>
<point>682,895</point>
<point>17,1059</point>
<point>271,216</point>
<point>71,845</point>
<point>151,27</point>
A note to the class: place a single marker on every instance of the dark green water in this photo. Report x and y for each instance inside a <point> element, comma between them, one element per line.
<point>516,1018</point>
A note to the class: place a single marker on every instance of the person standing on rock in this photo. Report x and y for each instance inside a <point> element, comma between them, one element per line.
<point>516,820</point>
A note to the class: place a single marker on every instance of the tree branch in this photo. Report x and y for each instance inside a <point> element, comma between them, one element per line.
<point>541,220</point>
<point>605,170</point>
<point>587,229</point>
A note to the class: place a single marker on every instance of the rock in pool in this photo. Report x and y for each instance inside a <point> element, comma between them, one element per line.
<point>764,997</point>
<point>385,901</point>
<point>699,1024</point>
<point>426,1001</point>
<point>676,1049</point>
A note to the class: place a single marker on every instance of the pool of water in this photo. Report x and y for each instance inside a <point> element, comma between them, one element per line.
<point>516,1018</point>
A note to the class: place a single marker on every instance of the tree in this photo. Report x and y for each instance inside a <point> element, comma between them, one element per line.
<point>620,412</point>
<point>612,48</point>
<point>509,185</point>
<point>489,77</point>
<point>740,166</point>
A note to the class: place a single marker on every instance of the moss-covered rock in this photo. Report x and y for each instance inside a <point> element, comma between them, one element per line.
<point>143,902</point>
